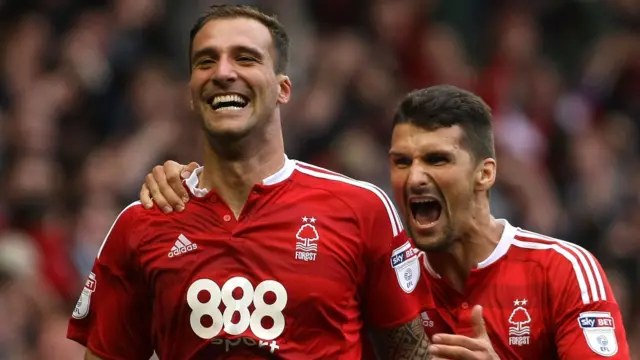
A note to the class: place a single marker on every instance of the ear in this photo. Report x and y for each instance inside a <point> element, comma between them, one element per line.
<point>486,174</point>
<point>284,91</point>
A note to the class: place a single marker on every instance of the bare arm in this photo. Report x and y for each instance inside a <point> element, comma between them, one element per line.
<point>406,342</point>
<point>88,355</point>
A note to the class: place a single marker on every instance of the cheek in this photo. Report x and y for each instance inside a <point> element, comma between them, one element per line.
<point>457,189</point>
<point>197,81</point>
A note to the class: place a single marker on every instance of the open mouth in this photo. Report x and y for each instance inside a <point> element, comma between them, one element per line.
<point>231,102</point>
<point>425,211</point>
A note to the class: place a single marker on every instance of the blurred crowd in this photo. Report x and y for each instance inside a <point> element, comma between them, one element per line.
<point>93,94</point>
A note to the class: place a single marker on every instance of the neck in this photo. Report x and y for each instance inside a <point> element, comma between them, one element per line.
<point>479,239</point>
<point>233,167</point>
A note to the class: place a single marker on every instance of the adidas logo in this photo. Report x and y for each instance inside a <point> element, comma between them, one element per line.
<point>426,321</point>
<point>182,246</point>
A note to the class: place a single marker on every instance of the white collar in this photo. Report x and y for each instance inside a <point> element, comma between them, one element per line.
<point>279,176</point>
<point>501,249</point>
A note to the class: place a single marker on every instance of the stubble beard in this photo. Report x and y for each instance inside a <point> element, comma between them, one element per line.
<point>442,243</point>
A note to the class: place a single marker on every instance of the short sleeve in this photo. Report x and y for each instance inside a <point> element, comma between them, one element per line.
<point>589,322</point>
<point>393,267</point>
<point>112,317</point>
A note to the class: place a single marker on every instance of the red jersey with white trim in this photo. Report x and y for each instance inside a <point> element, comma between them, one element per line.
<point>542,298</point>
<point>295,276</point>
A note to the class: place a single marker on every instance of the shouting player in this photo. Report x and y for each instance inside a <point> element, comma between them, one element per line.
<point>543,298</point>
<point>540,298</point>
<point>273,257</point>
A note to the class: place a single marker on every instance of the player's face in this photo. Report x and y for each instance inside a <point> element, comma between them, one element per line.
<point>432,176</point>
<point>234,87</point>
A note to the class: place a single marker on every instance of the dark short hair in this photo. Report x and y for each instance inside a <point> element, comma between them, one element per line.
<point>229,11</point>
<point>445,106</point>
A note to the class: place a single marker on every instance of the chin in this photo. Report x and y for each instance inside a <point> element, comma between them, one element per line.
<point>434,241</point>
<point>228,128</point>
<point>227,133</point>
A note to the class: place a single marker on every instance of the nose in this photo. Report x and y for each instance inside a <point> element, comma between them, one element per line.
<point>418,179</point>
<point>225,72</point>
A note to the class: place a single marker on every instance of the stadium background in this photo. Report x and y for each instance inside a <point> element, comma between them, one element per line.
<point>93,94</point>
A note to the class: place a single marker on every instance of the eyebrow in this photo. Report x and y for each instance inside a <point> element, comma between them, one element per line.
<point>249,50</point>
<point>202,53</point>
<point>210,51</point>
<point>396,153</point>
<point>428,151</point>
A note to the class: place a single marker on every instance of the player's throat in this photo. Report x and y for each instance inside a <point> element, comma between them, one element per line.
<point>233,181</point>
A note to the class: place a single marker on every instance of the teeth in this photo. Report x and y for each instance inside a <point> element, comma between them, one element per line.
<point>228,98</point>
<point>422,201</point>
<point>228,108</point>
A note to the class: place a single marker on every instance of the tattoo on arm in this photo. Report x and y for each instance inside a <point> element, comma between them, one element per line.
<point>408,342</point>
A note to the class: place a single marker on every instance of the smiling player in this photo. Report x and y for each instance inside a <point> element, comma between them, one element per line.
<point>273,257</point>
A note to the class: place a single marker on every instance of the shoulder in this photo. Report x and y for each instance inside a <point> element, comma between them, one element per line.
<point>364,198</point>
<point>566,264</point>
<point>135,215</point>
<point>123,226</point>
<point>129,215</point>
<point>347,189</point>
<point>549,250</point>
<point>133,210</point>
<point>318,177</point>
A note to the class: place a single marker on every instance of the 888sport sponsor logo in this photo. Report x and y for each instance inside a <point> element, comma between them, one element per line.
<point>208,321</point>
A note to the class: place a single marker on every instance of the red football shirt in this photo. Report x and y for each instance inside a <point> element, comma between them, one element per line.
<point>542,298</point>
<point>296,275</point>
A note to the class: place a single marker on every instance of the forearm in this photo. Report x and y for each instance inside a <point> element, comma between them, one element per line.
<point>408,342</point>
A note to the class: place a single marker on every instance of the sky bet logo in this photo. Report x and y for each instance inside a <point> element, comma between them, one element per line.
<point>401,257</point>
<point>397,259</point>
<point>599,332</point>
<point>404,260</point>
<point>596,322</point>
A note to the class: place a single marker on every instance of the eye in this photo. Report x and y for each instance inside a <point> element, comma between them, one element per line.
<point>437,159</point>
<point>204,63</point>
<point>246,59</point>
<point>401,162</point>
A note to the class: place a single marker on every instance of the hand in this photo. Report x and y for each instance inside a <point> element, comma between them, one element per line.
<point>459,347</point>
<point>164,186</point>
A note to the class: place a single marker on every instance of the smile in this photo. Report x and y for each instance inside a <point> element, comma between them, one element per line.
<point>228,102</point>
<point>425,211</point>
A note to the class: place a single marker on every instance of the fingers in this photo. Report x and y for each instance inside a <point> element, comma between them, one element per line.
<point>164,186</point>
<point>187,170</point>
<point>457,340</point>
<point>477,322</point>
<point>450,352</point>
<point>145,197</point>
<point>156,194</point>
<point>174,173</point>
<point>166,189</point>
